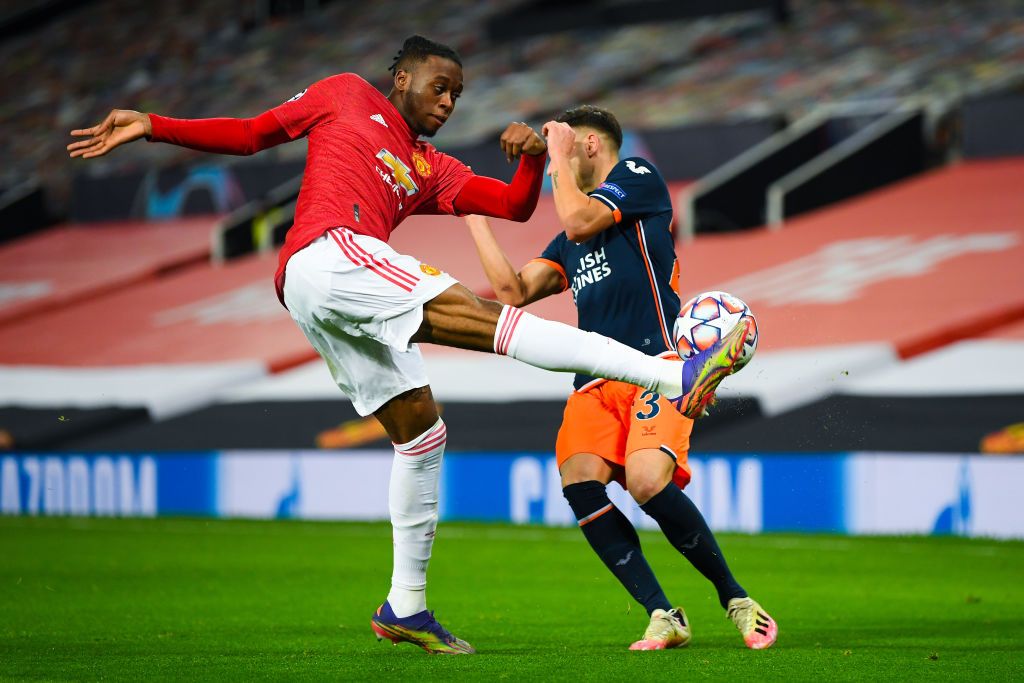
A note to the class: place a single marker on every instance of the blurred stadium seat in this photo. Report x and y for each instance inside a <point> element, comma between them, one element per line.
<point>216,59</point>
<point>70,264</point>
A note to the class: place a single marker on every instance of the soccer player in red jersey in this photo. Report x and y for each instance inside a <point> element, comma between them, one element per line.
<point>364,307</point>
<point>617,257</point>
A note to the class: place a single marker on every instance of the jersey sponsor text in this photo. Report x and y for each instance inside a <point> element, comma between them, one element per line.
<point>592,268</point>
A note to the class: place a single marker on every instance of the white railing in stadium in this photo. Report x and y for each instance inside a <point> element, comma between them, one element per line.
<point>801,127</point>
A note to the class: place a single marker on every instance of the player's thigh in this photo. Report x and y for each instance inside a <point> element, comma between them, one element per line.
<point>457,317</point>
<point>581,467</point>
<point>363,287</point>
<point>592,433</point>
<point>657,446</point>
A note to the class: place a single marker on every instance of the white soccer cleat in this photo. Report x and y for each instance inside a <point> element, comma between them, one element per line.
<point>666,630</point>
<point>759,630</point>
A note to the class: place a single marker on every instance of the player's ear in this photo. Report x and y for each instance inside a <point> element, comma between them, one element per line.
<point>402,80</point>
<point>593,144</point>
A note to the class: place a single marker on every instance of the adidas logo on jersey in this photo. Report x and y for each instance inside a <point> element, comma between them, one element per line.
<point>639,170</point>
<point>379,119</point>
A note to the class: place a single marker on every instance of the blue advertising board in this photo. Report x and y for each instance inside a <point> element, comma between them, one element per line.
<point>123,485</point>
<point>738,492</point>
<point>852,493</point>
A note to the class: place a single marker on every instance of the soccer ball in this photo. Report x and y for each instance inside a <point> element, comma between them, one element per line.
<point>709,316</point>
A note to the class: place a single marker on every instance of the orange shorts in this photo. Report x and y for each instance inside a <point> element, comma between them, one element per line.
<point>614,419</point>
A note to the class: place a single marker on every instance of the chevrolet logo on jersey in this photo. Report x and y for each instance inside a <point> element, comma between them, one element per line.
<point>399,171</point>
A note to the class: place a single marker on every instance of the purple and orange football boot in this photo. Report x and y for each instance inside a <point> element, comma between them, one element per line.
<point>704,372</point>
<point>420,629</point>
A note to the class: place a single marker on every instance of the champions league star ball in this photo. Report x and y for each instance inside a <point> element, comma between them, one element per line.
<point>708,317</point>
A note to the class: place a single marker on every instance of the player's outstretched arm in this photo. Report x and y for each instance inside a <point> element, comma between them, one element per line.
<point>517,200</point>
<point>535,281</point>
<point>120,127</point>
<point>220,136</point>
<point>581,216</point>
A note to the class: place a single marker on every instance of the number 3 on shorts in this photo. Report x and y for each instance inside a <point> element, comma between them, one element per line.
<point>650,399</point>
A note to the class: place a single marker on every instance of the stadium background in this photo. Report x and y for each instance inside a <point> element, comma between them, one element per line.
<point>854,171</point>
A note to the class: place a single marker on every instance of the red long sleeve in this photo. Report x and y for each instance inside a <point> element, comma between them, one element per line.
<point>514,201</point>
<point>222,136</point>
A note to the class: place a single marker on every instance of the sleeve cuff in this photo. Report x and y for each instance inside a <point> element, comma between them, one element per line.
<point>536,159</point>
<point>616,213</point>
<point>557,266</point>
<point>157,127</point>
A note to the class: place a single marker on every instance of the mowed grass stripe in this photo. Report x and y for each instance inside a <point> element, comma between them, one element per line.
<point>210,600</point>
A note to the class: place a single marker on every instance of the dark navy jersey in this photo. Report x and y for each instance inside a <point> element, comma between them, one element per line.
<point>624,279</point>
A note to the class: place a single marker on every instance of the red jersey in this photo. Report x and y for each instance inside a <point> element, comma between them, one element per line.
<point>365,168</point>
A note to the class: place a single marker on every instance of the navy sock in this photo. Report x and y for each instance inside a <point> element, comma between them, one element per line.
<point>616,542</point>
<point>685,528</point>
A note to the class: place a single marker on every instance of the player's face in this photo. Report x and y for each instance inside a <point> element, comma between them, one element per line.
<point>581,163</point>
<point>429,97</point>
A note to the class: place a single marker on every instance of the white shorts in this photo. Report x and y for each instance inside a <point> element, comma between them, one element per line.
<point>359,302</point>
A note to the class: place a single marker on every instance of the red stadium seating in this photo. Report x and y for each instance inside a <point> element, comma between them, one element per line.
<point>1013,332</point>
<point>917,265</point>
<point>204,314</point>
<point>839,294</point>
<point>69,264</point>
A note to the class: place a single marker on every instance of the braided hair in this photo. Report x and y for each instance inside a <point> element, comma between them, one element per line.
<point>417,48</point>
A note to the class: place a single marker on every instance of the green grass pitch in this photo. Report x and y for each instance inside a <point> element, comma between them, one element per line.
<point>233,600</point>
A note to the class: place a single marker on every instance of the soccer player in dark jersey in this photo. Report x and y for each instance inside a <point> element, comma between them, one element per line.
<point>617,257</point>
<point>364,307</point>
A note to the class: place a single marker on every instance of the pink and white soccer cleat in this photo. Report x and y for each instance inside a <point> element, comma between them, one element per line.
<point>759,630</point>
<point>666,630</point>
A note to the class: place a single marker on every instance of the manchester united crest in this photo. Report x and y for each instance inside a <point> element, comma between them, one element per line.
<point>422,167</point>
<point>429,270</point>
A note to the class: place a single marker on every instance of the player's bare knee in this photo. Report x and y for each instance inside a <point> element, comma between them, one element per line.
<point>644,484</point>
<point>584,467</point>
<point>408,415</point>
<point>574,477</point>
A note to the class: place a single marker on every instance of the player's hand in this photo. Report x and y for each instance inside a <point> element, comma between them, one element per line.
<point>121,126</point>
<point>519,139</point>
<point>561,139</point>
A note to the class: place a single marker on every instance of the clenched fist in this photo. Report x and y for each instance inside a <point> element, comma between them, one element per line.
<point>518,139</point>
<point>561,139</point>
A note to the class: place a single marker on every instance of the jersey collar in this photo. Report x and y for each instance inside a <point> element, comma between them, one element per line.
<point>394,117</point>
